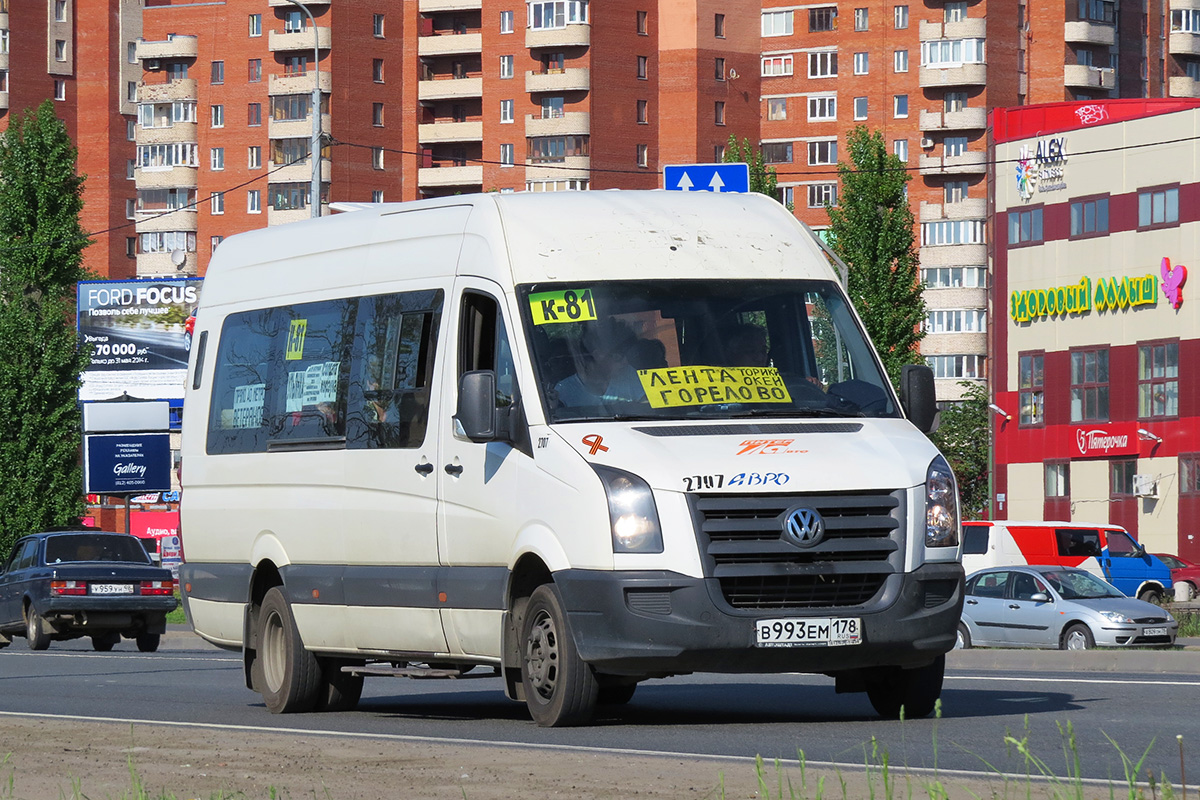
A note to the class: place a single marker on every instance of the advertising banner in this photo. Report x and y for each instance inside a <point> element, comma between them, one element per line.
<point>140,332</point>
<point>162,527</point>
<point>127,463</point>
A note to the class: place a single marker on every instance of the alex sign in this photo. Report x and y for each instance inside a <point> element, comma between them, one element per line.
<point>1041,169</point>
<point>1105,294</point>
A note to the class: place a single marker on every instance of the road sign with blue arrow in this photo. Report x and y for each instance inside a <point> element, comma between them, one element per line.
<point>732,177</point>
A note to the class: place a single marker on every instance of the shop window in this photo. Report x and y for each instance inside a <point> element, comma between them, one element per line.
<point>1158,379</point>
<point>1032,388</point>
<point>1120,475</point>
<point>1089,385</point>
<point>1089,217</point>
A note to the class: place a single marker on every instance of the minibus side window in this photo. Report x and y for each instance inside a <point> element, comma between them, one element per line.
<point>483,344</point>
<point>1121,546</point>
<point>1078,542</point>
<point>236,422</point>
<point>975,539</point>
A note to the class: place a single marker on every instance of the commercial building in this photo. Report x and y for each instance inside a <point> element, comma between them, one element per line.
<point>1095,334</point>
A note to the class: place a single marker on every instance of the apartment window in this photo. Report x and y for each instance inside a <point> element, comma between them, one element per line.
<point>719,68</point>
<point>1099,11</point>
<point>900,149</point>
<point>641,67</point>
<point>254,70</point>
<point>955,191</point>
<point>945,53</point>
<point>293,21</point>
<point>1158,207</point>
<point>1185,20</point>
<point>777,109</point>
<point>861,63</point>
<point>254,201</point>
<point>954,101</point>
<point>957,320</point>
<point>557,13</point>
<point>777,23</point>
<point>955,11</point>
<point>377,24</point>
<point>954,277</point>
<point>130,125</point>
<point>377,195</point>
<point>177,71</point>
<point>824,152</point>
<point>900,61</point>
<point>823,64</point>
<point>1089,217</point>
<point>554,149</point>
<point>377,157</point>
<point>130,208</point>
<point>952,231</point>
<point>60,10</point>
<point>506,66</point>
<point>1031,381</point>
<point>506,110</point>
<point>786,196</point>
<point>1189,474</point>
<point>718,153</point>
<point>218,116</point>
<point>719,26</point>
<point>822,19</point>
<point>377,114</point>
<point>643,155</point>
<point>954,145</point>
<point>218,72</point>
<point>642,23</point>
<point>1025,226</point>
<point>1192,70</point>
<point>719,112</point>
<point>1121,480</point>
<point>900,106</point>
<point>377,70</point>
<point>254,114</point>
<point>823,107</point>
<point>130,48</point>
<point>860,108</point>
<point>131,91</point>
<point>822,194</point>
<point>776,66</point>
<point>217,203</point>
<point>642,112</point>
<point>1158,379</point>
<point>1058,479</point>
<point>900,17</point>
<point>1089,385</point>
<point>254,157</point>
<point>860,19</point>
<point>295,65</point>
<point>256,24</point>
<point>216,158</point>
<point>131,246</point>
<point>777,152</point>
<point>507,158</point>
<point>958,366</point>
<point>130,169</point>
<point>60,50</point>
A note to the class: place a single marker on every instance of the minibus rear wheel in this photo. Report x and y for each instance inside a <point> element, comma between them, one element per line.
<point>291,675</point>
<point>560,689</point>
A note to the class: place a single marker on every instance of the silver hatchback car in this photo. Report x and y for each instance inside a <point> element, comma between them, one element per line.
<point>1057,607</point>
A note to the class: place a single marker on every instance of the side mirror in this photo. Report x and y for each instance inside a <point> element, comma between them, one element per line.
<point>918,397</point>
<point>476,410</point>
<point>1040,597</point>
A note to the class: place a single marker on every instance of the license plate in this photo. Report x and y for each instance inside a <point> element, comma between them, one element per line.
<point>808,632</point>
<point>1154,631</point>
<point>112,588</point>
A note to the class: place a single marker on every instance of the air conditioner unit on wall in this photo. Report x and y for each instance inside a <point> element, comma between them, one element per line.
<point>1145,486</point>
<point>926,142</point>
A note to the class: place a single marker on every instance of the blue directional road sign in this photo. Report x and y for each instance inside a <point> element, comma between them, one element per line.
<point>707,177</point>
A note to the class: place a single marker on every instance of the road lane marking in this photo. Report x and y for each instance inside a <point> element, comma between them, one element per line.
<point>1140,681</point>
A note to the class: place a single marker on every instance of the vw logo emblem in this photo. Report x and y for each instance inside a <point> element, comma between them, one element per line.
<point>803,527</point>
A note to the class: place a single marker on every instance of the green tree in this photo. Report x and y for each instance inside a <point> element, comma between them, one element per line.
<point>762,178</point>
<point>963,437</point>
<point>41,253</point>
<point>871,229</point>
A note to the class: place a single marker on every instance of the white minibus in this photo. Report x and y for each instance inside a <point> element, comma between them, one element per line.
<point>571,440</point>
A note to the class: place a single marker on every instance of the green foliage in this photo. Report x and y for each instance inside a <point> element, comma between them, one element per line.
<point>762,178</point>
<point>963,438</point>
<point>871,229</point>
<point>41,252</point>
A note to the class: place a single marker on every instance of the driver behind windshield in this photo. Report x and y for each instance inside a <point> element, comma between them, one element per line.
<point>603,374</point>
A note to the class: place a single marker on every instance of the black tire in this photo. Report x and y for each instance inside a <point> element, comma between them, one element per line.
<point>963,640</point>
<point>616,694</point>
<point>291,675</point>
<point>915,691</point>
<point>104,642</point>
<point>1150,596</point>
<point>36,634</point>
<point>148,642</point>
<point>340,691</point>
<point>560,689</point>
<point>1077,637</point>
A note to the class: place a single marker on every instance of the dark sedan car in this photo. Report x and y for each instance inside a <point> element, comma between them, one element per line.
<point>67,584</point>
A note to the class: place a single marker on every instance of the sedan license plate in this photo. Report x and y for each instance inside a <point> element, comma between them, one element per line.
<point>808,632</point>
<point>112,588</point>
<point>1154,631</point>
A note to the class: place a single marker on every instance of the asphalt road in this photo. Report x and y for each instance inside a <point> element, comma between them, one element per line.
<point>1141,700</point>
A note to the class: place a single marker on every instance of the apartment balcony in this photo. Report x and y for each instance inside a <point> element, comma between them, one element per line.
<point>572,123</point>
<point>280,42</point>
<point>968,119</point>
<point>176,46</point>
<point>577,35</point>
<point>953,255</point>
<point>973,28</point>
<point>956,342</point>
<point>953,297</point>
<point>284,216</point>
<point>183,219</point>
<point>300,172</point>
<point>449,45</point>
<point>1184,44</point>
<point>429,177</point>
<point>438,132</point>
<point>286,4</point>
<point>946,77</point>
<point>570,167</point>
<point>1080,76</point>
<point>161,264</point>
<point>971,208</point>
<point>179,132</point>
<point>181,89</point>
<point>567,80</point>
<point>1183,86</point>
<point>1082,32</point>
<point>299,84</point>
<point>964,164</point>
<point>170,178</point>
<point>296,128</point>
<point>433,6</point>
<point>450,89</point>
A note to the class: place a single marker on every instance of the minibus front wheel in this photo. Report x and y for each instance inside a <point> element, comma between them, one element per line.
<point>560,688</point>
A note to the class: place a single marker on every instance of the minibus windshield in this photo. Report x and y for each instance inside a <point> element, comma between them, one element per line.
<point>720,349</point>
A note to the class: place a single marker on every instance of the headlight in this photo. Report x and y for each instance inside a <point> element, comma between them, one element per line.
<point>941,505</point>
<point>631,512</point>
<point>1117,617</point>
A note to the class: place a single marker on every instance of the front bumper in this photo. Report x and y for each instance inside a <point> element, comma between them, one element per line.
<point>1136,636</point>
<point>661,623</point>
